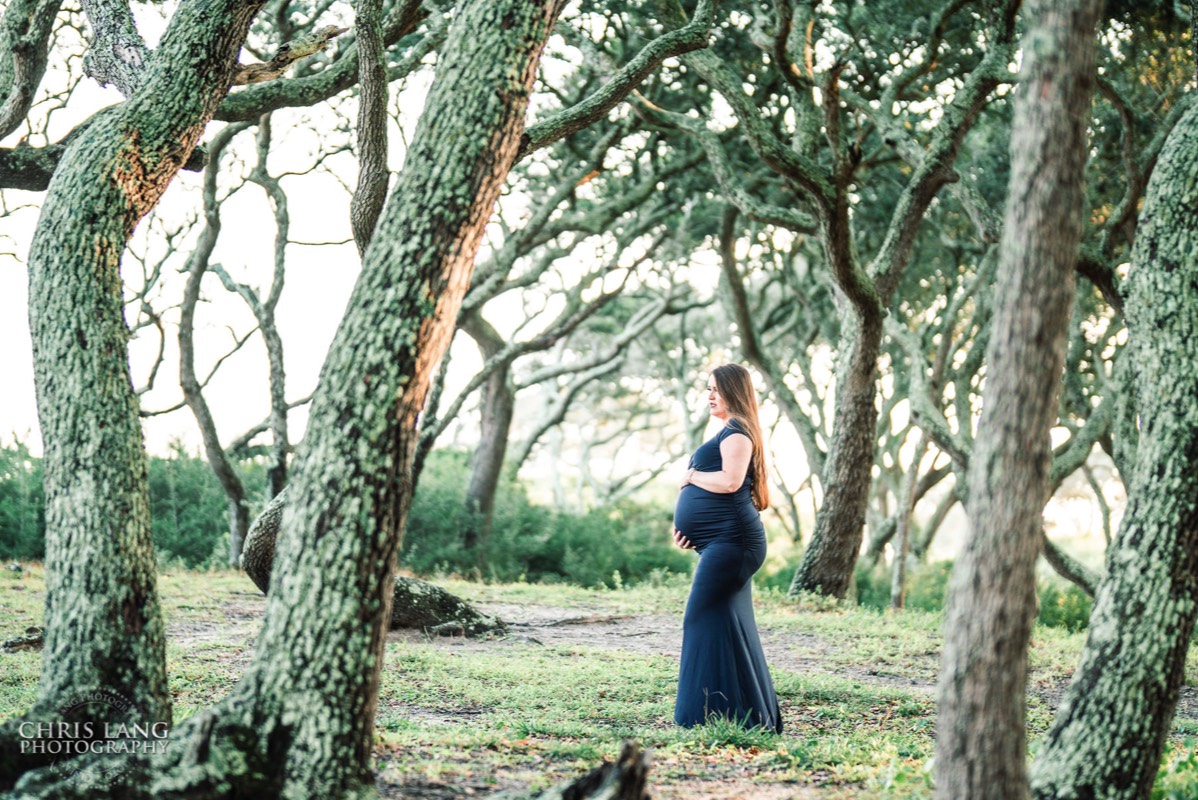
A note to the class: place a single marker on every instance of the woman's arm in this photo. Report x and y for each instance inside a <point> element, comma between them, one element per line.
<point>736,451</point>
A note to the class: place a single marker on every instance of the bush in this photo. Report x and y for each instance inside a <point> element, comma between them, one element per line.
<point>188,514</point>
<point>610,546</point>
<point>927,586</point>
<point>22,512</point>
<point>1063,605</point>
<point>772,578</point>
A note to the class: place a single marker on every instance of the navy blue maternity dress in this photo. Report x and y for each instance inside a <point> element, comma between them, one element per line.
<point>723,670</point>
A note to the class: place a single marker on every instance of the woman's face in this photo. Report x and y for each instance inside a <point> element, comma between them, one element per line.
<point>719,409</point>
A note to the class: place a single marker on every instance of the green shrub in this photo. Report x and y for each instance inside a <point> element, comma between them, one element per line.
<point>609,546</point>
<point>1063,605</point>
<point>22,513</point>
<point>188,514</point>
<point>926,586</point>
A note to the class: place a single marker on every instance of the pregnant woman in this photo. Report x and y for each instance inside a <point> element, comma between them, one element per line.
<point>723,671</point>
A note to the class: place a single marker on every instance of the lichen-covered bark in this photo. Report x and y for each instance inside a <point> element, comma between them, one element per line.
<point>319,654</point>
<point>419,604</point>
<point>103,625</point>
<point>300,723</point>
<point>117,55</point>
<point>1109,733</point>
<point>372,122</point>
<point>263,98</point>
<point>24,52</point>
<point>30,168</point>
<point>258,550</point>
<point>981,740</point>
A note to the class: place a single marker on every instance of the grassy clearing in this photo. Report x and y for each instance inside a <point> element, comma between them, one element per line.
<point>461,717</point>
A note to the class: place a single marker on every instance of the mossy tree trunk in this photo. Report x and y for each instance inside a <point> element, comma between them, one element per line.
<point>1109,733</point>
<point>981,739</point>
<point>25,32</point>
<point>103,625</point>
<point>314,682</point>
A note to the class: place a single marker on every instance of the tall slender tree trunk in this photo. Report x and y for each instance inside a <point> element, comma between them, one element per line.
<point>301,722</point>
<point>827,565</point>
<point>280,439</point>
<point>981,738</point>
<point>193,392</point>
<point>902,531</point>
<point>104,628</point>
<point>498,408</point>
<point>1109,733</point>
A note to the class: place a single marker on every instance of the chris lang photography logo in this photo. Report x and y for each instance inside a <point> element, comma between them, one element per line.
<point>94,731</point>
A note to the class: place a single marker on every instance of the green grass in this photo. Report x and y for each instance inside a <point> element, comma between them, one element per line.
<point>856,686</point>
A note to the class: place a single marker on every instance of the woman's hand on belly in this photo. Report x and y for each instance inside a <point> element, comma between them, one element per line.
<point>681,540</point>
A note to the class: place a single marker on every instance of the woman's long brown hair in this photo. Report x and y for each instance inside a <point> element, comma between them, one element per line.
<point>736,388</point>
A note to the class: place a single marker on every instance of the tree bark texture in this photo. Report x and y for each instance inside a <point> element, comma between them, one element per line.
<point>827,565</point>
<point>1109,733</point>
<point>300,723</point>
<point>371,192</point>
<point>320,651</point>
<point>981,740</point>
<point>24,53</point>
<point>103,624</point>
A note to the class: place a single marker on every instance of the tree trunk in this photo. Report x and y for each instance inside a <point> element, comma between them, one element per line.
<point>1070,568</point>
<point>827,565</point>
<point>193,394</point>
<point>1109,734</point>
<point>498,408</point>
<point>25,32</point>
<point>902,532</point>
<point>981,738</point>
<point>276,474</point>
<point>103,625</point>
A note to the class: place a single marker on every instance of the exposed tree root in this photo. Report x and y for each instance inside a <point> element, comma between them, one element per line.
<point>414,604</point>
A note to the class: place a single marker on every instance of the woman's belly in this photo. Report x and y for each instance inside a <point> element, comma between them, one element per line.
<point>703,517</point>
